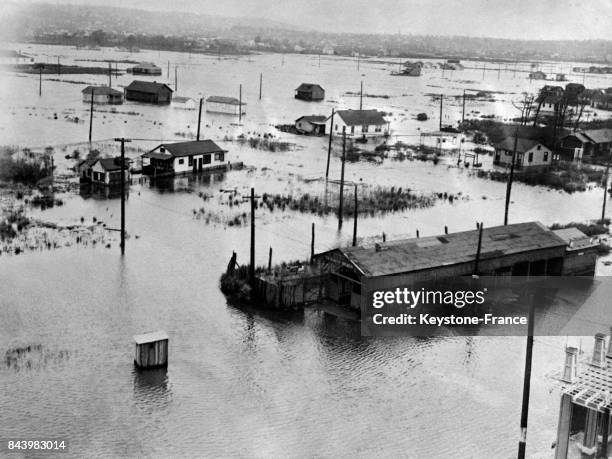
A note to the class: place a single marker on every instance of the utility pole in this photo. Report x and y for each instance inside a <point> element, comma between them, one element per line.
<point>175,79</point>
<point>603,209</point>
<point>252,266</point>
<point>40,69</point>
<point>331,130</point>
<point>441,102</point>
<point>358,60</point>
<point>361,96</point>
<point>312,241</point>
<point>511,177</point>
<point>355,219</point>
<point>122,140</point>
<point>110,72</point>
<point>168,74</point>
<point>526,381</point>
<point>199,120</point>
<point>91,113</point>
<point>270,260</point>
<point>463,108</point>
<point>240,104</point>
<point>260,84</point>
<point>59,72</point>
<point>342,177</point>
<point>479,248</point>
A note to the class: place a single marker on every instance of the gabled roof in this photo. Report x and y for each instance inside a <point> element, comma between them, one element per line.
<point>417,254</point>
<point>189,148</point>
<point>147,86</point>
<point>101,90</point>
<point>111,164</point>
<point>308,87</point>
<point>361,117</point>
<point>312,118</point>
<point>599,135</point>
<point>148,65</point>
<point>225,100</point>
<point>522,145</point>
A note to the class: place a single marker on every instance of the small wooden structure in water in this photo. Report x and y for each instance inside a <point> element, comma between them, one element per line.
<point>151,350</point>
<point>586,400</point>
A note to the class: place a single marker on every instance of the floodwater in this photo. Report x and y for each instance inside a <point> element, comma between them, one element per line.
<point>240,382</point>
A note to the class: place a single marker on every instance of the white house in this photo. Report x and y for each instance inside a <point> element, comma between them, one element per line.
<point>529,153</point>
<point>221,104</point>
<point>102,95</point>
<point>104,171</point>
<point>358,123</point>
<point>185,103</point>
<point>184,157</point>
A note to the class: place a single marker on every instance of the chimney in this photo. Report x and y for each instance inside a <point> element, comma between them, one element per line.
<point>609,354</point>
<point>570,368</point>
<point>599,356</point>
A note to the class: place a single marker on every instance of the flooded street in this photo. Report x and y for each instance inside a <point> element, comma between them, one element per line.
<point>239,382</point>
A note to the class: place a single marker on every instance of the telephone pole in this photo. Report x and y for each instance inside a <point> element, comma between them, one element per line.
<point>252,266</point>
<point>331,129</point>
<point>312,242</point>
<point>110,71</point>
<point>240,104</point>
<point>441,102</point>
<point>175,79</point>
<point>355,219</point>
<point>199,120</point>
<point>361,96</point>
<point>511,177</point>
<point>526,381</point>
<point>603,209</point>
<point>342,178</point>
<point>463,108</point>
<point>91,113</point>
<point>122,140</point>
<point>40,69</point>
<point>260,84</point>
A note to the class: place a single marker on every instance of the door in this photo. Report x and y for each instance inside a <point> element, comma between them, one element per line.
<point>199,164</point>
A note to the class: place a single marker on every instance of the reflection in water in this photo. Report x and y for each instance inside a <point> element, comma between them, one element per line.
<point>151,389</point>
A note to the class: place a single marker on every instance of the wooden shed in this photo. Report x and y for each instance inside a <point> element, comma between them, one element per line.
<point>151,350</point>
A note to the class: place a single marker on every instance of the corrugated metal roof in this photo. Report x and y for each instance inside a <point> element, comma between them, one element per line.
<point>361,117</point>
<point>416,254</point>
<point>193,147</point>
<point>147,86</point>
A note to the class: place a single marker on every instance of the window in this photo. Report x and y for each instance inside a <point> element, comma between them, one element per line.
<point>378,129</point>
<point>352,129</point>
<point>219,156</point>
<point>336,127</point>
<point>539,147</point>
<point>190,161</point>
<point>545,157</point>
<point>364,129</point>
<point>530,157</point>
<point>181,161</point>
<point>206,159</point>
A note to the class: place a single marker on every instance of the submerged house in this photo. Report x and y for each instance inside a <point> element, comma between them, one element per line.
<point>227,105</point>
<point>588,142</point>
<point>522,249</point>
<point>185,103</point>
<point>309,92</point>
<point>149,92</point>
<point>103,171</point>
<point>102,95</point>
<point>184,157</point>
<point>311,124</point>
<point>358,123</point>
<point>537,75</point>
<point>529,153</point>
<point>146,68</point>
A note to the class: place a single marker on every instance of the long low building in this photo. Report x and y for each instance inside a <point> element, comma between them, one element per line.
<point>523,249</point>
<point>184,157</point>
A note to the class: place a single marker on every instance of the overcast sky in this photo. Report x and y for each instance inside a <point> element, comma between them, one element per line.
<point>531,19</point>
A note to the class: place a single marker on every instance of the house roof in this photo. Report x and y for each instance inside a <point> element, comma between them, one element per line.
<point>151,337</point>
<point>110,164</point>
<point>580,136</point>
<point>312,118</point>
<point>361,117</point>
<point>87,162</point>
<point>417,254</point>
<point>147,86</point>
<point>522,145</point>
<point>181,99</point>
<point>599,135</point>
<point>225,100</point>
<point>189,148</point>
<point>102,90</point>
<point>308,87</point>
<point>149,65</point>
